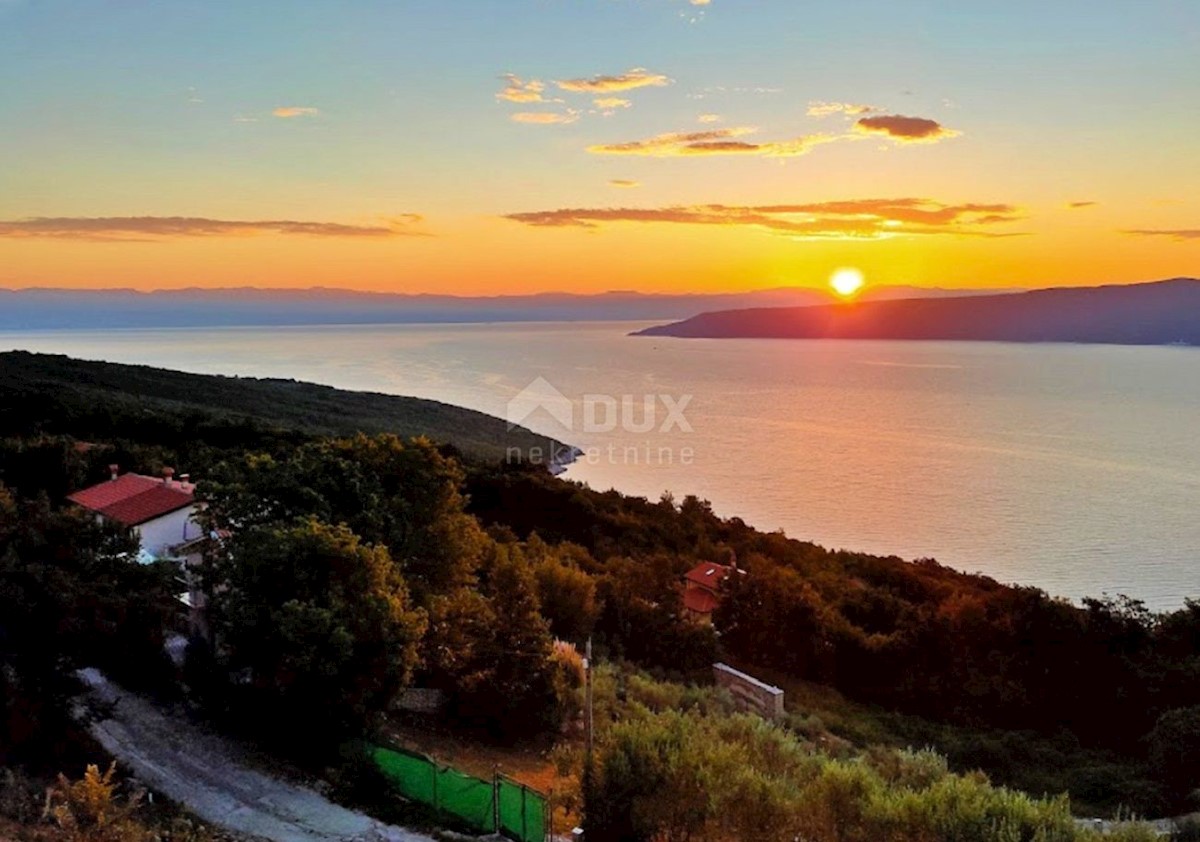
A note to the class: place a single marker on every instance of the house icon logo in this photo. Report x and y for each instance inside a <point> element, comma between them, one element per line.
<point>539,394</point>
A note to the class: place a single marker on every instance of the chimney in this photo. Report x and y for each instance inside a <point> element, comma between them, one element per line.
<point>185,479</point>
<point>167,474</point>
<point>114,471</point>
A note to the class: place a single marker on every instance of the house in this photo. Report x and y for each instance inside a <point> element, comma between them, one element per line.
<point>161,512</point>
<point>702,590</point>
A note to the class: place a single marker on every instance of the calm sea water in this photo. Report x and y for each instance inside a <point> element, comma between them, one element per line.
<point>1073,468</point>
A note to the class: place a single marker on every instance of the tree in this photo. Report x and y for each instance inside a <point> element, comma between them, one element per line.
<point>567,596</point>
<point>641,616</point>
<point>319,624</point>
<point>1174,747</point>
<point>403,495</point>
<point>71,595</point>
<point>650,783</point>
<point>491,650</point>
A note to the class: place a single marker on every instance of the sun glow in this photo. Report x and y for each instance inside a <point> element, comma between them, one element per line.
<point>846,282</point>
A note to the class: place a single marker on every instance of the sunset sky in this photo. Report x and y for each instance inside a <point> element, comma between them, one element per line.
<point>493,146</point>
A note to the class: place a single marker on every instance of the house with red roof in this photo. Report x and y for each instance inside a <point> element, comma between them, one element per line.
<point>702,590</point>
<point>161,511</point>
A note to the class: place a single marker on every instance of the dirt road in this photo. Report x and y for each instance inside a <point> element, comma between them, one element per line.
<point>205,774</point>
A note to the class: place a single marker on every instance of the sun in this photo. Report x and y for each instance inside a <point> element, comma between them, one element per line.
<point>846,282</point>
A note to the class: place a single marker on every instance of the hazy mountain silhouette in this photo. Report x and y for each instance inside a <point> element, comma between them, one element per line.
<point>40,309</point>
<point>1158,313</point>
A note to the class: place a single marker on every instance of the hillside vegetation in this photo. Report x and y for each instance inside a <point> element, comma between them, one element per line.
<point>352,567</point>
<point>51,393</point>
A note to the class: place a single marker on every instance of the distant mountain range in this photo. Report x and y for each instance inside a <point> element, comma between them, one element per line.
<point>1158,313</point>
<point>43,309</point>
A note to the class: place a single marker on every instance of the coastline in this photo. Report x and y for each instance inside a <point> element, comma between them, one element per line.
<point>563,460</point>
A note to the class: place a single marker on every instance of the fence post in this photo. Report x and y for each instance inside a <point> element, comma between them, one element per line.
<point>437,805</point>
<point>495,799</point>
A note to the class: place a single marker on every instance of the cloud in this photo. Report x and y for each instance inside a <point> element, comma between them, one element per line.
<point>149,228</point>
<point>905,129</point>
<point>638,77</point>
<point>624,183</point>
<point>859,219</point>
<point>289,111</point>
<point>712,142</point>
<point>721,90</point>
<point>697,11</point>
<point>1180,234</point>
<point>818,108</point>
<point>1081,204</point>
<point>608,103</point>
<point>709,118</point>
<point>546,118</point>
<point>520,91</point>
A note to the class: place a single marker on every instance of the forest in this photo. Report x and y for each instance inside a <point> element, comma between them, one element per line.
<point>351,566</point>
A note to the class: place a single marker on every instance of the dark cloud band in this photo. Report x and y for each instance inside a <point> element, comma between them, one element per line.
<point>125,228</point>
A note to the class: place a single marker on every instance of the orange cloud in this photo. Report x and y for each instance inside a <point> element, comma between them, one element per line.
<point>818,108</point>
<point>1180,234</point>
<point>639,77</point>
<point>1081,204</point>
<point>860,219</point>
<point>905,129</point>
<point>148,228</point>
<point>520,91</point>
<point>624,182</point>
<point>546,118</point>
<point>711,142</point>
<point>290,111</point>
<point>709,118</point>
<point>608,103</point>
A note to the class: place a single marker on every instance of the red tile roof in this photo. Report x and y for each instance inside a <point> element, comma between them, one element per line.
<point>700,601</point>
<point>133,499</point>
<point>709,575</point>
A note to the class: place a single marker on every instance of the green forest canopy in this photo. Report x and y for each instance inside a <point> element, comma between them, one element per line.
<point>53,393</point>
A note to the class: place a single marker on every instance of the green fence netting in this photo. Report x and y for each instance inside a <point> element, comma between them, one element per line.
<point>497,806</point>
<point>468,798</point>
<point>522,811</point>
<point>413,775</point>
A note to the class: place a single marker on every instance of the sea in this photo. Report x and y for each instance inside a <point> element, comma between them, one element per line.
<point>1072,468</point>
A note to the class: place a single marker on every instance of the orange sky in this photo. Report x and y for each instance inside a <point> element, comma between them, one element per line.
<point>661,145</point>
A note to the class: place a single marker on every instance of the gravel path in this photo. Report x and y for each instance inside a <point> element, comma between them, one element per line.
<point>204,773</point>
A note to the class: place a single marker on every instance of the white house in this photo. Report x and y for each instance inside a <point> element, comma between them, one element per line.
<point>161,512</point>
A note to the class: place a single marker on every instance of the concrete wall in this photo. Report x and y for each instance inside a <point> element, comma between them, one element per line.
<point>167,531</point>
<point>749,693</point>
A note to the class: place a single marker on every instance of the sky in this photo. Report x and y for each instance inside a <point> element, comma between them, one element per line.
<point>515,146</point>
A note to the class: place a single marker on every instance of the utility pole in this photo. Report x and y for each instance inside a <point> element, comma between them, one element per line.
<point>587,705</point>
<point>588,772</point>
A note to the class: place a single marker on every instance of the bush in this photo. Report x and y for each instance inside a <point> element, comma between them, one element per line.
<point>673,775</point>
